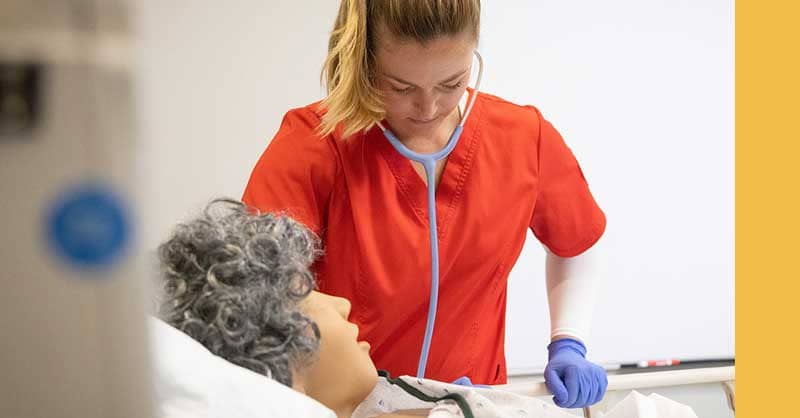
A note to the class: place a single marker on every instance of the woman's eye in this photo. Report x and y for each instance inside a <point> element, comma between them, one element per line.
<point>402,91</point>
<point>452,86</point>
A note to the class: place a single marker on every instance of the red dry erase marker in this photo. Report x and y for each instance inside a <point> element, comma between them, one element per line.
<point>658,363</point>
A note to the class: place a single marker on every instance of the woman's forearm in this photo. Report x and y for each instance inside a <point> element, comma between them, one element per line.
<point>572,286</point>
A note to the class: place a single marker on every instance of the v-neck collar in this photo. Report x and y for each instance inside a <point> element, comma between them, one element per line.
<point>451,183</point>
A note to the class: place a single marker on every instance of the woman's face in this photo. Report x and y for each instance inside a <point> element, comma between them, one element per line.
<point>422,84</point>
<point>344,372</point>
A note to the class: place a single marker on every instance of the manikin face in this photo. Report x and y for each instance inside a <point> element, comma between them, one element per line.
<point>422,84</point>
<point>344,373</point>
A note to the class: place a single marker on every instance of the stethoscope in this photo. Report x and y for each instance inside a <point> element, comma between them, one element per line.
<point>428,161</point>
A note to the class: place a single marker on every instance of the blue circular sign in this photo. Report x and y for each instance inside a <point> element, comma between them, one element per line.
<point>88,226</point>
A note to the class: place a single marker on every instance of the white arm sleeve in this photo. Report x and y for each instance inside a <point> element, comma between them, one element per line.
<point>572,286</point>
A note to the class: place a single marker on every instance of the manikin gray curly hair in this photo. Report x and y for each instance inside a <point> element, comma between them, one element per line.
<point>232,280</point>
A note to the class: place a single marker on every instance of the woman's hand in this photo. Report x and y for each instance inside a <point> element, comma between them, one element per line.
<point>574,381</point>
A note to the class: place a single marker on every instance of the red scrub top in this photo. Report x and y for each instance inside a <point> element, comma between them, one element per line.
<point>510,171</point>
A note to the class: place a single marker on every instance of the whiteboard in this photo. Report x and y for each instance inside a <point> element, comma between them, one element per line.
<point>642,91</point>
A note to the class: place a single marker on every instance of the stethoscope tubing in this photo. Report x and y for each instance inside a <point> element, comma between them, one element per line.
<point>429,161</point>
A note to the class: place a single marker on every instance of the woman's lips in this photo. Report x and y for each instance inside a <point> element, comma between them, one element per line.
<point>423,121</point>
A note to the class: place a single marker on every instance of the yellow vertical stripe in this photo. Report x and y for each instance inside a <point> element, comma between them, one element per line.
<point>767,208</point>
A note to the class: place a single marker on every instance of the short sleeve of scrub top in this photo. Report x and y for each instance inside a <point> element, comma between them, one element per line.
<point>295,173</point>
<point>566,217</point>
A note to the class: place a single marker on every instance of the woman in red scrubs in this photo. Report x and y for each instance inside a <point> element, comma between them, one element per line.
<point>407,63</point>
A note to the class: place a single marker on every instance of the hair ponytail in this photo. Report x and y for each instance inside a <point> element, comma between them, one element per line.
<point>351,98</point>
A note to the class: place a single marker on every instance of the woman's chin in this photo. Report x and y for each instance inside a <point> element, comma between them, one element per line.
<point>421,129</point>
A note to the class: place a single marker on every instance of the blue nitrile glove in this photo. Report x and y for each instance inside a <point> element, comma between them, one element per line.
<point>464,381</point>
<point>574,381</point>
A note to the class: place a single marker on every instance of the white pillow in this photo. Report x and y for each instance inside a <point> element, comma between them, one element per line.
<point>192,382</point>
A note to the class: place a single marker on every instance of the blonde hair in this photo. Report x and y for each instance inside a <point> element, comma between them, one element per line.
<point>352,98</point>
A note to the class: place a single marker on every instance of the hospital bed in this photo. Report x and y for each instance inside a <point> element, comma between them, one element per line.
<point>725,376</point>
<point>190,380</point>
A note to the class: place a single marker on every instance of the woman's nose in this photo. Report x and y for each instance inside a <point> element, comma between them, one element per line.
<point>426,106</point>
